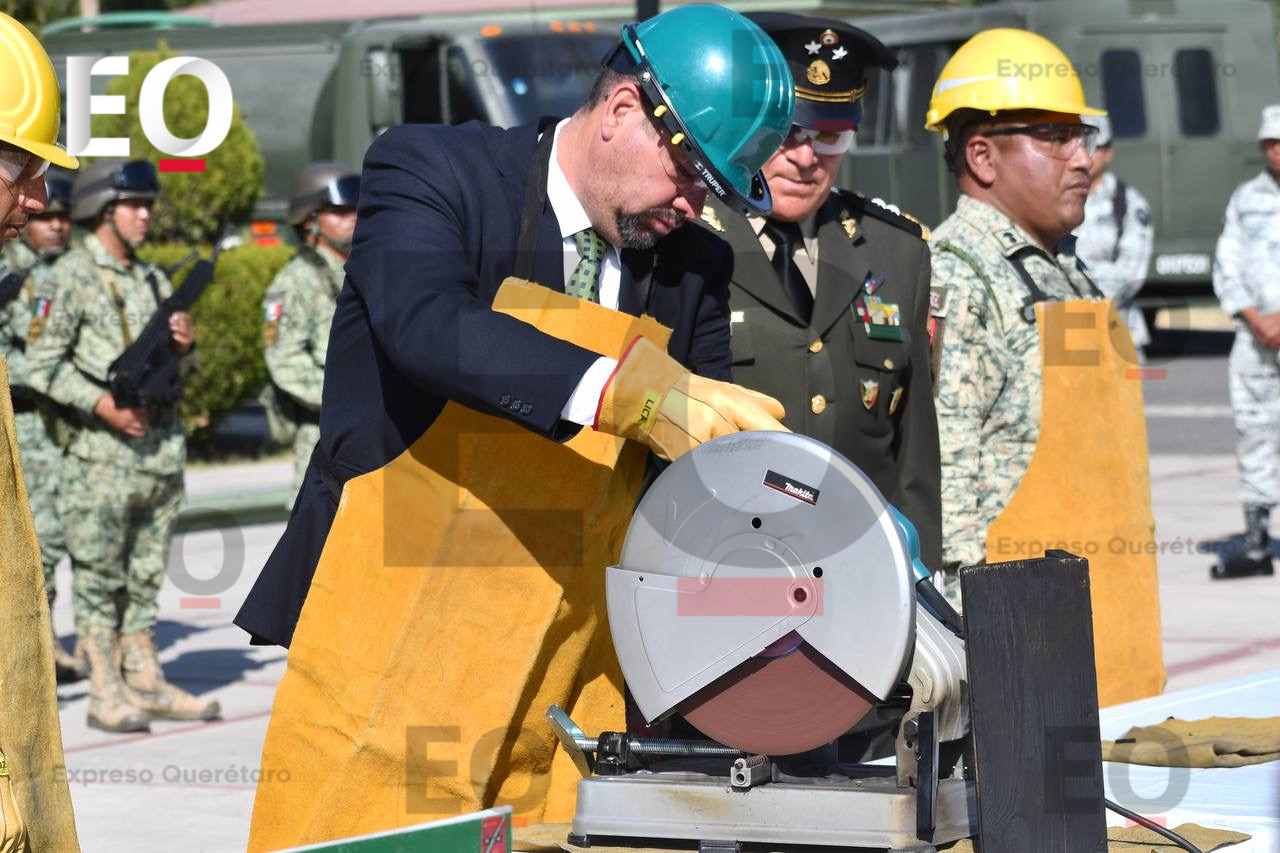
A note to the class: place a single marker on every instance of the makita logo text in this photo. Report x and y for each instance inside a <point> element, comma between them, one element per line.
<point>800,493</point>
<point>791,486</point>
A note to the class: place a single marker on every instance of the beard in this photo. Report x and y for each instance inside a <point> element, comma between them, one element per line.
<point>636,231</point>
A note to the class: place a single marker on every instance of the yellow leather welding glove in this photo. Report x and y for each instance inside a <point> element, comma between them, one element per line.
<point>653,399</point>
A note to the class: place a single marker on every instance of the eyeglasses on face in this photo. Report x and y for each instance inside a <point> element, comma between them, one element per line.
<point>1059,140</point>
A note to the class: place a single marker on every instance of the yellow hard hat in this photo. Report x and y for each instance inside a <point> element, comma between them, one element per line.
<point>30,104</point>
<point>1007,69</point>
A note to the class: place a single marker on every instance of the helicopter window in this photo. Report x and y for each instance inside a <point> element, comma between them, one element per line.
<point>1122,92</point>
<point>1197,92</point>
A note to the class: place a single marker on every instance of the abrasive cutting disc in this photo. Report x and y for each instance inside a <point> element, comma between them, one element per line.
<point>780,705</point>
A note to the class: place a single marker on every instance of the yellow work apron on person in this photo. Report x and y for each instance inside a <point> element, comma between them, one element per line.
<point>34,800</point>
<point>1088,489</point>
<point>459,594</point>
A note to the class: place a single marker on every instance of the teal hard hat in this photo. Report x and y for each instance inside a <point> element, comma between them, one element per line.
<point>721,88</point>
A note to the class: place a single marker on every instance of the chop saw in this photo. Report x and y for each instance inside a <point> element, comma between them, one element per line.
<point>767,593</point>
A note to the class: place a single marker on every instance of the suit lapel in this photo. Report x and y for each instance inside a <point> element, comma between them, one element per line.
<point>841,269</point>
<point>751,268</point>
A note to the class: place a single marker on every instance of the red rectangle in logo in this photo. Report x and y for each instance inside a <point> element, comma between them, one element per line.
<point>195,164</point>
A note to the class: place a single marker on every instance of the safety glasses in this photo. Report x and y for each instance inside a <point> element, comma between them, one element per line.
<point>19,167</point>
<point>825,142</point>
<point>1059,140</point>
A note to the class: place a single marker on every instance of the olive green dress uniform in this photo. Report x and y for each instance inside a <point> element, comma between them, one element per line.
<point>121,493</point>
<point>867,397</point>
<point>41,455</point>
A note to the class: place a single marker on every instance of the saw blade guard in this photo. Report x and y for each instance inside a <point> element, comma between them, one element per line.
<point>750,545</point>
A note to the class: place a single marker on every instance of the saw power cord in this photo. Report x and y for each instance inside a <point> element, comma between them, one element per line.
<point>1154,827</point>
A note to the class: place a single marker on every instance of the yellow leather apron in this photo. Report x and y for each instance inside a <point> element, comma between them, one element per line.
<point>1088,490</point>
<point>459,594</point>
<point>34,800</point>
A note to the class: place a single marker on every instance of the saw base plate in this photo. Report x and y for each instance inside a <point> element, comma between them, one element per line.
<point>870,813</point>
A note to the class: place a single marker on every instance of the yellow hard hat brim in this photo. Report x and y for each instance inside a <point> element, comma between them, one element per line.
<point>53,153</point>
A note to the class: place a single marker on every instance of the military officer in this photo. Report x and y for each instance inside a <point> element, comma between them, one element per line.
<point>126,464</point>
<point>830,292</point>
<point>299,302</point>
<point>1116,239</point>
<point>42,242</point>
<point>1246,277</point>
<point>1042,431</point>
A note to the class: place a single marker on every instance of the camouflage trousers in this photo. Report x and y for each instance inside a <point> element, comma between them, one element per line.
<point>303,443</point>
<point>41,468</point>
<point>118,526</point>
<point>1255,397</point>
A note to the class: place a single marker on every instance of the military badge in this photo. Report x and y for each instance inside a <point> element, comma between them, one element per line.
<point>871,284</point>
<point>710,217</point>
<point>829,38</point>
<point>271,324</point>
<point>894,399</point>
<point>38,320</point>
<point>883,320</point>
<point>819,73</point>
<point>870,391</point>
<point>850,226</point>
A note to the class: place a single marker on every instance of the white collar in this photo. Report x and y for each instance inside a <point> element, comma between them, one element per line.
<point>564,204</point>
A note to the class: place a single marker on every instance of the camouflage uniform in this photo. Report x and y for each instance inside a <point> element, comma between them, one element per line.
<point>989,381</point>
<point>123,492</point>
<point>40,454</point>
<point>1246,273</point>
<point>1118,266</point>
<point>298,309</point>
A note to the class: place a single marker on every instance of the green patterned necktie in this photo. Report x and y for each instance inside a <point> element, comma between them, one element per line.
<point>585,281</point>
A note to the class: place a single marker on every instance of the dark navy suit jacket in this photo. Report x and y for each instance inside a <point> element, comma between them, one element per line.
<point>439,219</point>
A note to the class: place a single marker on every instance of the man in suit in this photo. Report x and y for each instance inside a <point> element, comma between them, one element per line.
<point>439,226</point>
<point>830,293</point>
<point>460,582</point>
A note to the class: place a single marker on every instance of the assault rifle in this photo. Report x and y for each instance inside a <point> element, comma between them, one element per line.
<point>148,372</point>
<point>10,287</point>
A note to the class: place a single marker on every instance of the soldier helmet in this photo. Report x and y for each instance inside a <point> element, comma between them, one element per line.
<point>58,184</point>
<point>322,185</point>
<point>104,182</point>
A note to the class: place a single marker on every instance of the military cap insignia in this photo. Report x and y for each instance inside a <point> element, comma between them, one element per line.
<point>813,47</point>
<point>819,73</point>
<point>839,53</point>
<point>870,391</point>
<point>829,38</point>
<point>894,399</point>
<point>938,300</point>
<point>712,219</point>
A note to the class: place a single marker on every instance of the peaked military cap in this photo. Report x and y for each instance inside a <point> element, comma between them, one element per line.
<point>829,61</point>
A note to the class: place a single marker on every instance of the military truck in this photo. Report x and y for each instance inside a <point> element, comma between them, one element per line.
<point>324,91</point>
<point>1184,82</point>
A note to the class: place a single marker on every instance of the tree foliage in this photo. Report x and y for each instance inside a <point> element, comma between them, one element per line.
<point>194,207</point>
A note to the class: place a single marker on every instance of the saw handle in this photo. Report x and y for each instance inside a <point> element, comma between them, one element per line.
<point>930,597</point>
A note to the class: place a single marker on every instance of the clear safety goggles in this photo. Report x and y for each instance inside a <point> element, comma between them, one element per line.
<point>824,141</point>
<point>19,167</point>
<point>1059,140</point>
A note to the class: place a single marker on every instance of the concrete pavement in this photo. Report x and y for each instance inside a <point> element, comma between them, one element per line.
<point>190,786</point>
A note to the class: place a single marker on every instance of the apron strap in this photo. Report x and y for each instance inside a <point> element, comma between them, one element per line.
<point>535,199</point>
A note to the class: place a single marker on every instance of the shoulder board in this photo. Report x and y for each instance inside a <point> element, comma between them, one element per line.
<point>859,205</point>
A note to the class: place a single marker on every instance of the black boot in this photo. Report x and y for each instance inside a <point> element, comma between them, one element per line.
<point>1253,558</point>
